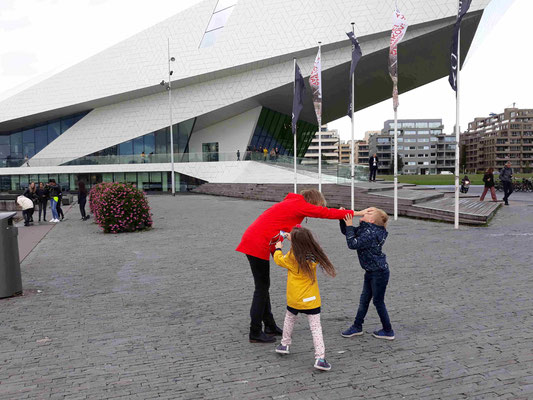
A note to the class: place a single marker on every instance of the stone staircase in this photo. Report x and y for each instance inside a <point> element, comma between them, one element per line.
<point>412,201</point>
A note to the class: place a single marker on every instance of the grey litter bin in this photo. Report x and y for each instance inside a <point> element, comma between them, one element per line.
<point>10,280</point>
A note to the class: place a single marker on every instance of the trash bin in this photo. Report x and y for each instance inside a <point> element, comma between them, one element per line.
<point>10,280</point>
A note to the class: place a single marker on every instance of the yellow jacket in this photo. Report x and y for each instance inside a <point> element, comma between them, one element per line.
<point>302,293</point>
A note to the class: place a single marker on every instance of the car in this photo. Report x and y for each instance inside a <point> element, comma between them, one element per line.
<point>446,173</point>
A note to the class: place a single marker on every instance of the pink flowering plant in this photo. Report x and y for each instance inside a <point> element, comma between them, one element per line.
<point>119,207</point>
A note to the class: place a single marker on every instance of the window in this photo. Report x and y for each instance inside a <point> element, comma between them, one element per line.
<point>409,132</point>
<point>423,140</point>
<point>408,124</point>
<point>422,125</point>
<point>435,124</point>
<point>218,20</point>
<point>423,132</point>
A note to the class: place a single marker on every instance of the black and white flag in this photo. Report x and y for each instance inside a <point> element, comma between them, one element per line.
<point>356,56</point>
<point>464,5</point>
<point>297,101</point>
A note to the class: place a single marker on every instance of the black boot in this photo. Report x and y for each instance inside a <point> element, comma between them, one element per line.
<point>261,337</point>
<point>273,330</point>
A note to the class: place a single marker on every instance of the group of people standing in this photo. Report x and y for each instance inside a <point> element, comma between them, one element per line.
<point>40,196</point>
<point>257,153</point>
<point>506,177</point>
<point>265,236</point>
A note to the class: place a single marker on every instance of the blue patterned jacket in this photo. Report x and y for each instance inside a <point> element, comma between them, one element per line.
<point>367,239</point>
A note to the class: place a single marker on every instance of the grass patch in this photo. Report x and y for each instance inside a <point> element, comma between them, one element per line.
<point>475,179</point>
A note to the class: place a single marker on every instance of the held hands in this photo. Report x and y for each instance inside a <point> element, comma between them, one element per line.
<point>348,219</point>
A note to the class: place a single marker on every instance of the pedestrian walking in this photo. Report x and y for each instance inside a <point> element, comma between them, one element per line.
<point>373,164</point>
<point>506,176</point>
<point>488,178</point>
<point>303,295</point>
<point>238,155</point>
<point>43,194</point>
<point>82,199</point>
<point>26,160</point>
<point>265,154</point>
<point>258,242</point>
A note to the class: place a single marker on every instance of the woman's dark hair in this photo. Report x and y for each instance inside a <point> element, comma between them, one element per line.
<point>490,170</point>
<point>81,186</point>
<point>306,250</point>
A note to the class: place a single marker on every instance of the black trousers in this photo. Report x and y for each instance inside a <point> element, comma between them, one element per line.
<point>82,202</point>
<point>27,214</point>
<point>507,190</point>
<point>261,311</point>
<point>373,171</point>
<point>42,208</point>
<point>59,210</point>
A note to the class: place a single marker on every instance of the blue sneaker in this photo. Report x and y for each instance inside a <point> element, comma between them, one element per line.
<point>352,331</point>
<point>322,364</point>
<point>381,334</point>
<point>281,349</point>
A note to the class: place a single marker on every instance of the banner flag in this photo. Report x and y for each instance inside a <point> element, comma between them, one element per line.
<point>297,100</point>
<point>399,28</point>
<point>356,56</point>
<point>464,5</point>
<point>315,80</point>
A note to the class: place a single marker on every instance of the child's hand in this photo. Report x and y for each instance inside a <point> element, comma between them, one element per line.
<point>342,208</point>
<point>348,219</point>
<point>288,237</point>
<point>279,245</point>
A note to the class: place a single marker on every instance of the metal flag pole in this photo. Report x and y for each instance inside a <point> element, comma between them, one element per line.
<point>320,127</point>
<point>170,116</point>
<point>352,162</point>
<point>295,131</point>
<point>457,133</point>
<point>395,164</point>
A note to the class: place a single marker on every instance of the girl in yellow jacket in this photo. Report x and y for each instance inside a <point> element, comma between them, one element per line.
<point>303,295</point>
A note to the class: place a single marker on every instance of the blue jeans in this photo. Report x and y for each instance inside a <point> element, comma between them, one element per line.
<point>374,289</point>
<point>53,205</point>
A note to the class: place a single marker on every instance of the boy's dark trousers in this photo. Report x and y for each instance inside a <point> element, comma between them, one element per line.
<point>260,312</point>
<point>507,190</point>
<point>42,208</point>
<point>374,289</point>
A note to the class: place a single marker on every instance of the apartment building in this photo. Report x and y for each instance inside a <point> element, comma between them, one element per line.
<point>330,148</point>
<point>361,150</point>
<point>498,138</point>
<point>422,147</point>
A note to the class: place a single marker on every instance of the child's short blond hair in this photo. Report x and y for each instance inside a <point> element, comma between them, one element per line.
<point>381,217</point>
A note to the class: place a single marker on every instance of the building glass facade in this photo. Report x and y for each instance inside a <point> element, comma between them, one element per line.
<point>150,148</point>
<point>273,130</point>
<point>16,145</point>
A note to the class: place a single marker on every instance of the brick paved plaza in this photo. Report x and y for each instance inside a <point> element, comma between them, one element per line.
<point>164,313</point>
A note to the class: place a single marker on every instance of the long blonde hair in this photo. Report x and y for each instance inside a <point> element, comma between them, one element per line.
<point>306,250</point>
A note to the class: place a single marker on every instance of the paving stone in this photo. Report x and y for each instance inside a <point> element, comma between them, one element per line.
<point>165,313</point>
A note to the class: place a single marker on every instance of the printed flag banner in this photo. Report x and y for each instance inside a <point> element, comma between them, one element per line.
<point>464,5</point>
<point>297,100</point>
<point>356,56</point>
<point>399,27</point>
<point>315,80</point>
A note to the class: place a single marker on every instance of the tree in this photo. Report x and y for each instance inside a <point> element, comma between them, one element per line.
<point>400,165</point>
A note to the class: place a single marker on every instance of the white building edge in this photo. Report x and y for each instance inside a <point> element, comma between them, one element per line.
<point>231,89</point>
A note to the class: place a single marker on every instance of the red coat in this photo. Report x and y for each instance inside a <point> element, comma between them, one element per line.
<point>283,216</point>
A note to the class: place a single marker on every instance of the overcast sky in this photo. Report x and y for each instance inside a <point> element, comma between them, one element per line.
<point>40,37</point>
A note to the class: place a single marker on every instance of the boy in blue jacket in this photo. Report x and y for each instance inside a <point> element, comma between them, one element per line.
<point>368,239</point>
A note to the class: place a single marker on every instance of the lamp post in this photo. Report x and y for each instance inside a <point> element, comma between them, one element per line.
<point>169,88</point>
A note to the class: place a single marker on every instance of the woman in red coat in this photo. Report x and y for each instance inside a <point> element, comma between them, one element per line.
<point>257,241</point>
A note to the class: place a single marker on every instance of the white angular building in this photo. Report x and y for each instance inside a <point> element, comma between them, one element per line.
<point>107,118</point>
